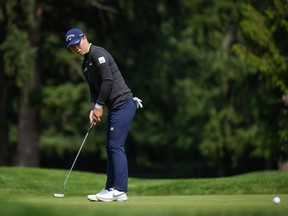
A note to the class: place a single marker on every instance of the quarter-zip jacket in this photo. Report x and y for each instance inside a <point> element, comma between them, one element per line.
<point>106,83</point>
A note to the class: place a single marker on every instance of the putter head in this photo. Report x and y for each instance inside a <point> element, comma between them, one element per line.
<point>58,195</point>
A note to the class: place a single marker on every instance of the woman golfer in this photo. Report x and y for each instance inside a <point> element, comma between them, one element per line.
<point>107,88</point>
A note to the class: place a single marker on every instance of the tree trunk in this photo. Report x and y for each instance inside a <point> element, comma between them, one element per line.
<point>169,158</point>
<point>223,163</point>
<point>4,155</point>
<point>27,150</point>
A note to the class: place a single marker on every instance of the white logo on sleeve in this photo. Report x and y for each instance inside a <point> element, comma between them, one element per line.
<point>101,60</point>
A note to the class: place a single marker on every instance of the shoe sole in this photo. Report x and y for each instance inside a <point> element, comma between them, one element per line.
<point>92,200</point>
<point>106,200</point>
<point>118,199</point>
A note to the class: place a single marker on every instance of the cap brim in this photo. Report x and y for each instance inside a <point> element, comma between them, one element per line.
<point>74,42</point>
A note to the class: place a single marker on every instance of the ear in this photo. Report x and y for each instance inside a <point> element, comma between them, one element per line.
<point>84,37</point>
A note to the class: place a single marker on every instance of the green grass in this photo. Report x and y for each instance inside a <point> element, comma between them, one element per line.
<point>28,191</point>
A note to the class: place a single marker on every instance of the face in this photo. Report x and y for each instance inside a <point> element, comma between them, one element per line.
<point>81,48</point>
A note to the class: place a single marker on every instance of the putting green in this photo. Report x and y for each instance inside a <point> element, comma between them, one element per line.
<point>147,205</point>
<point>29,192</point>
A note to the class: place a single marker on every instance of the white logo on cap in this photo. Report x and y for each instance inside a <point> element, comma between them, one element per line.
<point>69,37</point>
<point>101,60</point>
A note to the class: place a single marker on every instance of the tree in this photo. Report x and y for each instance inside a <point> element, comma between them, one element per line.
<point>263,47</point>
<point>211,75</point>
<point>20,59</point>
<point>4,85</point>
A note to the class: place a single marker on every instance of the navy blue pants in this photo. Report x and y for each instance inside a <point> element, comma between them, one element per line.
<point>118,124</point>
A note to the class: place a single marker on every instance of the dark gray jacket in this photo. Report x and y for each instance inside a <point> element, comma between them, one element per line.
<point>106,84</point>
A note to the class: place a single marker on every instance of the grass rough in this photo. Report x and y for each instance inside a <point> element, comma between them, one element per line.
<point>28,191</point>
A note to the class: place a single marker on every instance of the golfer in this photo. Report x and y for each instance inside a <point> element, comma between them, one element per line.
<point>107,88</point>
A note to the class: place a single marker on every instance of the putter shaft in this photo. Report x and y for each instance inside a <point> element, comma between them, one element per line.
<point>64,184</point>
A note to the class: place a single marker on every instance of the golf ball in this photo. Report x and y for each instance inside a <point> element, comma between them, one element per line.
<point>276,200</point>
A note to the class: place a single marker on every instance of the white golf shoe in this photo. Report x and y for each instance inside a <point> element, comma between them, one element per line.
<point>112,195</point>
<point>93,197</point>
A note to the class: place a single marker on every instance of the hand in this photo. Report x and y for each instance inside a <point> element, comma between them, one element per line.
<point>96,115</point>
<point>91,117</point>
<point>138,102</point>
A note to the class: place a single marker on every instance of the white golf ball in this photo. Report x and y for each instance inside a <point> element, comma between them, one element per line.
<point>276,200</point>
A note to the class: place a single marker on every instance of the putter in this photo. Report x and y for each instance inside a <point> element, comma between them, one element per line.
<point>61,195</point>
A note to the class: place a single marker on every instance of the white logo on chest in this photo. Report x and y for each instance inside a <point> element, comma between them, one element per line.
<point>101,60</point>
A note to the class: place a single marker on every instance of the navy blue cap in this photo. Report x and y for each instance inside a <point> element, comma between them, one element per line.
<point>73,36</point>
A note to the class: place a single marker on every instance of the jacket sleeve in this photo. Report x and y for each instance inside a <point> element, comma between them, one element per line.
<point>101,60</point>
<point>93,98</point>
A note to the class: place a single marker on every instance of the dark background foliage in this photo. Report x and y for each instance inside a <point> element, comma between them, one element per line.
<point>212,76</point>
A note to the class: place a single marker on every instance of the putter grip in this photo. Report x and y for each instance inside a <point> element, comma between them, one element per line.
<point>91,126</point>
